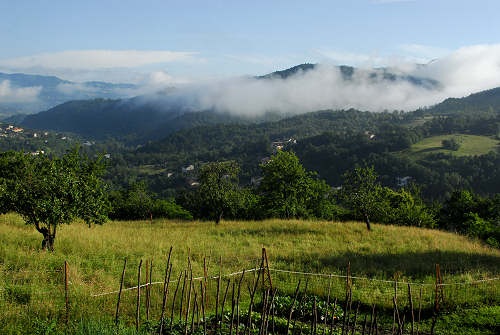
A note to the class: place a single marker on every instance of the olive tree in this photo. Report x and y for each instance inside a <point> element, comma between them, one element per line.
<point>50,191</point>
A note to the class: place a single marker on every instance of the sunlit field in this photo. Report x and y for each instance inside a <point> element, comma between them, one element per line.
<point>32,281</point>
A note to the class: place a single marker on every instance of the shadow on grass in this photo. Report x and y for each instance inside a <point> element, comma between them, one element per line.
<point>413,264</point>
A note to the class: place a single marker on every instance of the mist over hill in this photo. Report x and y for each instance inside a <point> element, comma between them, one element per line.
<point>26,94</point>
<point>245,99</point>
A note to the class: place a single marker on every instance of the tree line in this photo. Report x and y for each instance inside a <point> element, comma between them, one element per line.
<point>48,191</point>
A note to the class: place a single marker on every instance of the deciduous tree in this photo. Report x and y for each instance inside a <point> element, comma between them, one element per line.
<point>218,187</point>
<point>50,191</point>
<point>361,192</point>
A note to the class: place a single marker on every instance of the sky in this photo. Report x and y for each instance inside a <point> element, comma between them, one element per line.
<point>174,43</point>
<point>123,40</point>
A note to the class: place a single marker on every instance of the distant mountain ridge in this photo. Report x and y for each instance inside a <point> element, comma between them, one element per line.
<point>155,116</point>
<point>54,91</point>
<point>348,73</point>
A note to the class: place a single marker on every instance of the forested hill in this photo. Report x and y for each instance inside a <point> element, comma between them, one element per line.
<point>52,91</point>
<point>127,119</point>
<point>296,127</point>
<point>481,101</point>
<point>153,116</point>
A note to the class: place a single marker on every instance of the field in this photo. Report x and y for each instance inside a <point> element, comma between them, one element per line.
<point>32,281</point>
<point>470,145</point>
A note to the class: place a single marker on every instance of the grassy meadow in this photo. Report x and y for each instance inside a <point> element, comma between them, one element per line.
<point>470,145</point>
<point>32,281</point>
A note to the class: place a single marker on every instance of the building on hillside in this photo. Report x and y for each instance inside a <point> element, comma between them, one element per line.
<point>265,160</point>
<point>403,181</point>
<point>193,183</point>
<point>188,168</point>
<point>255,181</point>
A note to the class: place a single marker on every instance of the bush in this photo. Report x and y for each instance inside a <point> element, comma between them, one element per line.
<point>136,204</point>
<point>404,209</point>
<point>451,144</point>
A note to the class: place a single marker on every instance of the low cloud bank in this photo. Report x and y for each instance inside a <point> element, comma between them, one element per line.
<point>11,94</point>
<point>462,72</point>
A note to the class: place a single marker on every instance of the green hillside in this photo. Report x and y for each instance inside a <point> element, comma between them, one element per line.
<point>470,145</point>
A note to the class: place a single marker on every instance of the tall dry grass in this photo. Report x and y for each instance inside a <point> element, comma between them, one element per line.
<point>31,280</point>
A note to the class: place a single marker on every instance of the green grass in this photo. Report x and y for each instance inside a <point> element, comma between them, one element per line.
<point>32,286</point>
<point>470,145</point>
<point>151,170</point>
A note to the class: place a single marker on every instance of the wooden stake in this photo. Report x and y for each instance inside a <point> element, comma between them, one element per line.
<point>347,311</point>
<point>148,295</point>
<point>394,311</point>
<point>364,326</point>
<point>66,295</point>
<point>147,288</point>
<point>218,295</point>
<point>197,306</point>
<point>203,312</point>
<point>315,317</point>
<point>372,321</point>
<point>291,308</point>
<point>223,303</point>
<point>233,303</point>
<point>355,320</point>
<point>419,308</point>
<point>194,309</point>
<point>173,302</point>
<point>273,310</point>
<point>302,302</point>
<point>252,295</point>
<point>182,295</point>
<point>327,303</point>
<point>138,309</point>
<point>188,302</point>
<point>266,267</point>
<point>264,311</point>
<point>117,314</point>
<point>397,313</point>
<point>411,310</point>
<point>205,278</point>
<point>166,283</point>
<point>238,303</point>
<point>332,324</point>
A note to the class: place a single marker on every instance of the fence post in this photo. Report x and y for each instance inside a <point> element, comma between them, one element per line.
<point>166,282</point>
<point>138,309</point>
<point>117,314</point>
<point>66,291</point>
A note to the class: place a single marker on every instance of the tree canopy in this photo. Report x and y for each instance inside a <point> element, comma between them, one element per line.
<point>50,191</point>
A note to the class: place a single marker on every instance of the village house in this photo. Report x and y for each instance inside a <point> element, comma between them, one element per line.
<point>402,182</point>
<point>188,168</point>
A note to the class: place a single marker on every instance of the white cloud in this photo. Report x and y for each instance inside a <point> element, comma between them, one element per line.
<point>96,59</point>
<point>75,88</point>
<point>466,70</point>
<point>462,72</point>
<point>10,94</point>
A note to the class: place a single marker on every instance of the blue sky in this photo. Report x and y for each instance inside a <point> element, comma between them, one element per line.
<point>185,40</point>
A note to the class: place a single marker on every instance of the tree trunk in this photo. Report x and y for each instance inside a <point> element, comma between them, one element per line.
<point>367,221</point>
<point>219,217</point>
<point>48,238</point>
